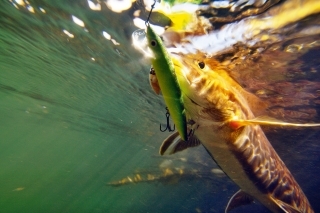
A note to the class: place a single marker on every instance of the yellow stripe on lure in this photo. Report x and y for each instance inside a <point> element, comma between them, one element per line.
<point>164,69</point>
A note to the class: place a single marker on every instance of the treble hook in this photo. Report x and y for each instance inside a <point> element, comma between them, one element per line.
<point>168,127</point>
<point>152,6</point>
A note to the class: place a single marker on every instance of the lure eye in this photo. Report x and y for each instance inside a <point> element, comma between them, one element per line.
<point>153,43</point>
<point>201,65</point>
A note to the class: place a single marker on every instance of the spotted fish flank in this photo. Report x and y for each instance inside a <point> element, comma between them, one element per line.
<point>217,105</point>
<point>264,168</point>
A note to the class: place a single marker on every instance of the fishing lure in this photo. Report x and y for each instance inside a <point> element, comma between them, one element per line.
<point>167,80</point>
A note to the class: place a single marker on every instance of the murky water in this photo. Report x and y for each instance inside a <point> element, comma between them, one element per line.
<point>77,113</point>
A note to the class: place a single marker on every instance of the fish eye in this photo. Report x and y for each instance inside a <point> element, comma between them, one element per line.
<point>153,43</point>
<point>201,65</point>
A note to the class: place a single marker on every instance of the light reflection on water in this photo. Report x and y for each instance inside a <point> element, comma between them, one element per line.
<point>77,113</point>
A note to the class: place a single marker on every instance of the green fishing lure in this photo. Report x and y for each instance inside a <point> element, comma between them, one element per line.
<point>164,69</point>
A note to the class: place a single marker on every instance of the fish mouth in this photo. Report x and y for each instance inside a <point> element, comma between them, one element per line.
<point>194,102</point>
<point>181,58</point>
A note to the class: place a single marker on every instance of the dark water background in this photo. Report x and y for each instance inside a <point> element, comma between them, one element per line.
<point>78,113</point>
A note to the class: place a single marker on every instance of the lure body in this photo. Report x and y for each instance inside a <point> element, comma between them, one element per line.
<point>164,69</point>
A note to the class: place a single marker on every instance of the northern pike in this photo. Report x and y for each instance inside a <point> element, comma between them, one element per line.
<point>219,113</point>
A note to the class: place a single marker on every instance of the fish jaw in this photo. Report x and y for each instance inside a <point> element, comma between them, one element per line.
<point>243,153</point>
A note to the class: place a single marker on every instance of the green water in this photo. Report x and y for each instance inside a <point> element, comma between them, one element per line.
<point>69,124</point>
<point>78,113</point>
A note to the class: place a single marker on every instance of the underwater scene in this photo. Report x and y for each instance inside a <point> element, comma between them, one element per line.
<point>159,106</point>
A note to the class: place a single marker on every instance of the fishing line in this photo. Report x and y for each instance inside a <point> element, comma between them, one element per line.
<point>152,7</point>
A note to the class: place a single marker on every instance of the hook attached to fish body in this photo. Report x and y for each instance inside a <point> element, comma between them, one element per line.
<point>168,127</point>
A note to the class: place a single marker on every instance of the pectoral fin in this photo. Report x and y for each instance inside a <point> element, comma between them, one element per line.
<point>174,143</point>
<point>240,198</point>
<point>265,120</point>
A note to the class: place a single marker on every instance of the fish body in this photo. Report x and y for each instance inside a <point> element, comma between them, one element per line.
<point>214,103</point>
<point>165,74</point>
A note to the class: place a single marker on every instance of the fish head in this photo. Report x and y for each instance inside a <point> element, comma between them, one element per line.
<point>209,94</point>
